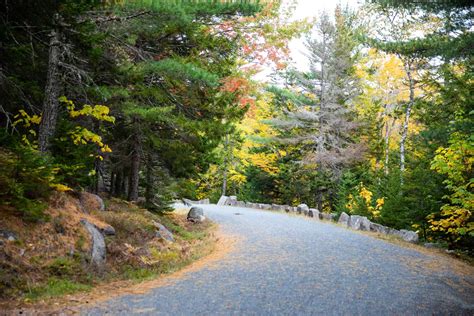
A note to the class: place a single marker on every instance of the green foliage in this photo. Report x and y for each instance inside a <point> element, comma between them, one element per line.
<point>350,179</point>
<point>438,42</point>
<point>286,96</point>
<point>260,186</point>
<point>455,162</point>
<point>363,202</point>
<point>171,75</point>
<point>156,114</point>
<point>26,178</point>
<point>185,10</point>
<point>180,70</point>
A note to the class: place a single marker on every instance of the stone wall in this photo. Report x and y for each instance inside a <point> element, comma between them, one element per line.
<point>355,222</point>
<point>189,202</point>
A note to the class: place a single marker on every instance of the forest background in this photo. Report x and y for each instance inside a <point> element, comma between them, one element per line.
<point>155,100</point>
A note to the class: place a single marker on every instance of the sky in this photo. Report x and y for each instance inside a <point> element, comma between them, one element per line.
<point>309,9</point>
<point>305,9</point>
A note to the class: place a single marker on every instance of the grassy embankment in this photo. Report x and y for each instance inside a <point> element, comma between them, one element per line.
<point>51,259</point>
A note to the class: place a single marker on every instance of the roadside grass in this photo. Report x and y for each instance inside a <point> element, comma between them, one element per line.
<point>55,287</point>
<point>201,245</point>
<point>137,274</point>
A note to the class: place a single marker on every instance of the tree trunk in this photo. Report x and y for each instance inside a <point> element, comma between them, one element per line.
<point>319,200</point>
<point>113,176</point>
<point>224,176</point>
<point>134,169</point>
<point>118,184</point>
<point>150,183</point>
<point>224,182</point>
<point>388,132</point>
<point>97,177</point>
<point>387,149</point>
<point>51,103</point>
<point>125,185</point>
<point>134,175</point>
<point>404,132</point>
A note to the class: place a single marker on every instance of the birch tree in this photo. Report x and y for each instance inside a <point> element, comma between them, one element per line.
<point>396,26</point>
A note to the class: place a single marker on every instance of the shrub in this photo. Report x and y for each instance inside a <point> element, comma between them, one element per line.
<point>26,178</point>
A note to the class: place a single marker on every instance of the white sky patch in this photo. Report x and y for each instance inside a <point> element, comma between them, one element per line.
<point>306,9</point>
<point>311,9</point>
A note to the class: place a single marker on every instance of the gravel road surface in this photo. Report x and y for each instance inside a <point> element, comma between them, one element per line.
<point>291,265</point>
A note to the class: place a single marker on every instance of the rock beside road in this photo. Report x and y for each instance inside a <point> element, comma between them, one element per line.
<point>344,219</point>
<point>379,228</point>
<point>365,224</point>
<point>163,232</point>
<point>108,230</point>
<point>232,200</point>
<point>98,249</point>
<point>222,200</point>
<point>276,207</point>
<point>326,216</point>
<point>189,202</point>
<point>407,235</point>
<point>354,222</point>
<point>196,215</point>
<point>302,208</point>
<point>91,202</point>
<point>240,204</point>
<point>313,212</point>
<point>358,222</point>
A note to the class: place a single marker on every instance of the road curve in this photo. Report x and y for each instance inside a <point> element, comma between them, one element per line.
<point>288,265</point>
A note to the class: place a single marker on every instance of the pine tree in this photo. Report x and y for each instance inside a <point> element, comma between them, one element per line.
<point>171,67</point>
<point>319,116</point>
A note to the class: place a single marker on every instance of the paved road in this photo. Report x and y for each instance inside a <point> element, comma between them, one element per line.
<point>287,265</point>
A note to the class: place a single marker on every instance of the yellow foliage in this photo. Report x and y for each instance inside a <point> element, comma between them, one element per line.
<point>385,91</point>
<point>106,149</point>
<point>60,187</point>
<point>364,202</point>
<point>366,194</point>
<point>456,163</point>
<point>27,121</point>
<point>237,177</point>
<point>253,127</point>
<point>79,135</point>
<point>99,112</point>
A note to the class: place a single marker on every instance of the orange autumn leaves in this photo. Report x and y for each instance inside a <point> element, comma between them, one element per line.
<point>241,87</point>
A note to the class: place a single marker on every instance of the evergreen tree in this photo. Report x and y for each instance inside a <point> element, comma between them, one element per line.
<point>319,118</point>
<point>168,67</point>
